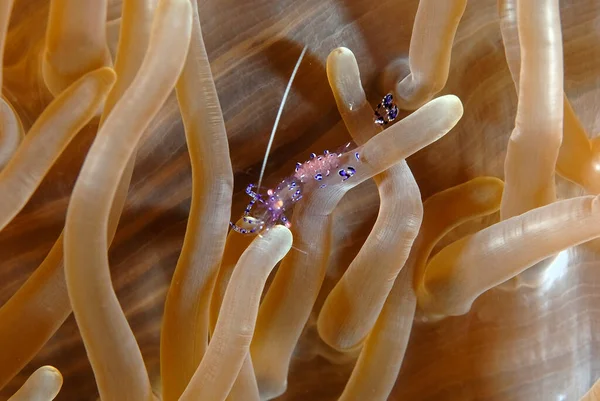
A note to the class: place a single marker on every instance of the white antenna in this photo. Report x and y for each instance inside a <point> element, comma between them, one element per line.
<point>279,113</point>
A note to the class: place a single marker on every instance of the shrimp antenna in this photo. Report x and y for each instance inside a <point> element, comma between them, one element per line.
<point>279,113</point>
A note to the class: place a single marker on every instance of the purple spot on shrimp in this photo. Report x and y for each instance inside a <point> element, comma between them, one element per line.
<point>351,171</point>
<point>298,165</point>
<point>393,113</point>
<point>342,173</point>
<point>318,176</point>
<point>323,185</point>
<point>357,156</point>
<point>326,152</point>
<point>388,99</point>
<point>312,155</point>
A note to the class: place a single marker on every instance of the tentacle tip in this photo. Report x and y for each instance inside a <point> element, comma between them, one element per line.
<point>344,78</point>
<point>340,52</point>
<point>55,373</point>
<point>107,74</point>
<point>284,233</point>
<point>393,74</point>
<point>335,336</point>
<point>452,107</point>
<point>270,387</point>
<point>452,101</point>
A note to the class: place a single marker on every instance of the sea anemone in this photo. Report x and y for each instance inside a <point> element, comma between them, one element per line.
<point>128,130</point>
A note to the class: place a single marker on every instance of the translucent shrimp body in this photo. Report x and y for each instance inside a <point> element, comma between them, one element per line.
<point>266,210</point>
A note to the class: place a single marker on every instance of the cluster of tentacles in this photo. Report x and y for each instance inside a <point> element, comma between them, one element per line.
<point>219,339</point>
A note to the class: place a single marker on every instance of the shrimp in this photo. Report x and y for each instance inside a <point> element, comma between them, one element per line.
<point>265,210</point>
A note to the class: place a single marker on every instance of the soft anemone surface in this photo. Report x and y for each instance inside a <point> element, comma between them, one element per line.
<point>128,83</point>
